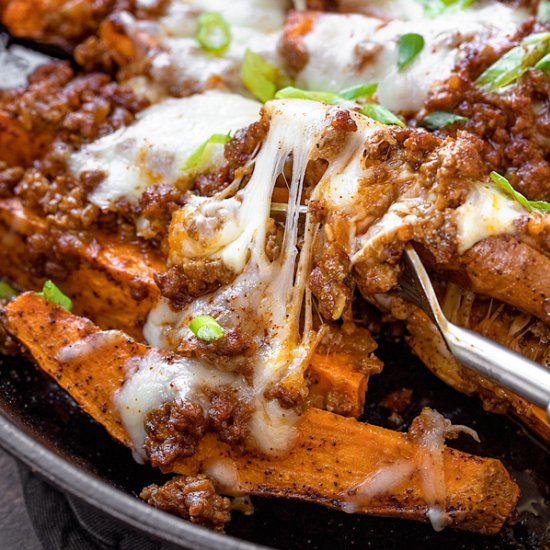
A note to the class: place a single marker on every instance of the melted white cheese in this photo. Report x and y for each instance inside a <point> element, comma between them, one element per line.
<point>486,213</point>
<point>345,50</point>
<point>427,463</point>
<point>265,300</point>
<point>153,380</point>
<point>180,63</point>
<point>155,147</point>
<point>88,345</point>
<point>389,9</point>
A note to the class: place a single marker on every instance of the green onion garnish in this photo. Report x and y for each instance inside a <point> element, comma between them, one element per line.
<point>6,290</point>
<point>213,33</point>
<point>515,63</point>
<point>259,76</point>
<point>381,114</point>
<point>505,186</point>
<point>433,8</point>
<point>358,92</point>
<point>206,328</point>
<point>290,92</point>
<point>51,293</point>
<point>440,119</point>
<point>410,45</point>
<point>198,156</point>
<point>544,65</point>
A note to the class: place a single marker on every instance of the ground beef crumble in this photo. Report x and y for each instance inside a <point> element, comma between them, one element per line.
<point>194,498</point>
<point>63,112</point>
<point>175,429</point>
<point>514,126</point>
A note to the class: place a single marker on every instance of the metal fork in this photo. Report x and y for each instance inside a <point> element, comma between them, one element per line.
<point>480,354</point>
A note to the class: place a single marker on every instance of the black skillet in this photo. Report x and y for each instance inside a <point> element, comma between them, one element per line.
<point>41,426</point>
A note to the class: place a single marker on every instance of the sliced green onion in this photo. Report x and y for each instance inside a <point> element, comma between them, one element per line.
<point>540,205</point>
<point>197,157</point>
<point>505,186</point>
<point>51,293</point>
<point>410,45</point>
<point>381,114</point>
<point>6,290</point>
<point>206,328</point>
<point>440,119</point>
<point>515,63</point>
<point>290,92</point>
<point>213,33</point>
<point>543,12</point>
<point>360,91</point>
<point>544,64</point>
<point>433,8</point>
<point>259,76</point>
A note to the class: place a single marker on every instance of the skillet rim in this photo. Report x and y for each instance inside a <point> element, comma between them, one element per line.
<point>102,496</point>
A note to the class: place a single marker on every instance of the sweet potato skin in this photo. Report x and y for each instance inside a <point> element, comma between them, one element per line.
<point>112,284</point>
<point>46,329</point>
<point>509,270</point>
<point>330,457</point>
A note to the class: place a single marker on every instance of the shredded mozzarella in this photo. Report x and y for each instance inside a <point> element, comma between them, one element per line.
<point>486,213</point>
<point>265,300</point>
<point>346,50</point>
<point>154,149</point>
<point>179,62</point>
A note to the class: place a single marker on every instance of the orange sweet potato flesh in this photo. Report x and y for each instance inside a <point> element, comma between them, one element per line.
<point>331,455</point>
<point>335,384</point>
<point>113,285</point>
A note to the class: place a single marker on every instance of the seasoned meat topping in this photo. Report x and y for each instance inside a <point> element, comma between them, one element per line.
<point>174,431</point>
<point>181,283</point>
<point>514,126</point>
<point>193,498</point>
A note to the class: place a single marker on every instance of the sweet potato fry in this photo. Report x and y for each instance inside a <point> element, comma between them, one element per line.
<point>509,270</point>
<point>113,285</point>
<point>330,459</point>
<point>336,386</point>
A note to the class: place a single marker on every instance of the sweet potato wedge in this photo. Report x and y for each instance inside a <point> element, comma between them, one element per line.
<point>113,285</point>
<point>331,458</point>
<point>508,270</point>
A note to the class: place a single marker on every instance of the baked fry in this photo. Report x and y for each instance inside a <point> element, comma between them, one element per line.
<point>329,463</point>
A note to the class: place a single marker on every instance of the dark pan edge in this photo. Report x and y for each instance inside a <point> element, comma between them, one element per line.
<point>102,496</point>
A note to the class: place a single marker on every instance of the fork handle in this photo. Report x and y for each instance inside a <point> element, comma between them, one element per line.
<point>503,366</point>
